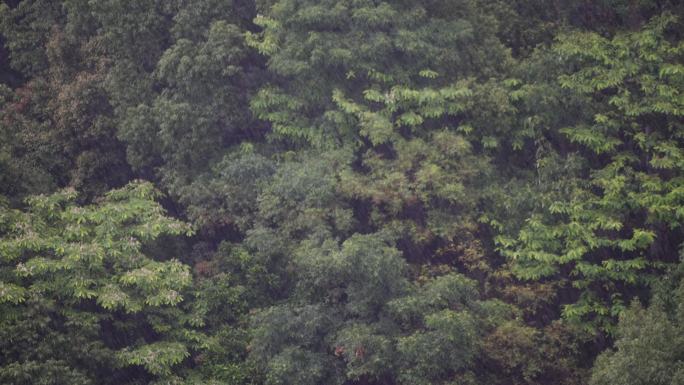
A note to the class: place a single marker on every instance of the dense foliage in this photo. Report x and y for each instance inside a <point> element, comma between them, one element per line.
<point>351,192</point>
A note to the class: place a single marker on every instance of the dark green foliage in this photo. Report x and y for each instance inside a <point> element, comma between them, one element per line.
<point>355,316</point>
<point>195,101</point>
<point>409,192</point>
<point>26,30</point>
<point>59,122</point>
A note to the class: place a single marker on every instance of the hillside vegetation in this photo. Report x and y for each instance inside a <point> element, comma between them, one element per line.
<point>342,192</point>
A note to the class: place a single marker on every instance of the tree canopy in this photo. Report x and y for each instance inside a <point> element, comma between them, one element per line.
<point>350,192</point>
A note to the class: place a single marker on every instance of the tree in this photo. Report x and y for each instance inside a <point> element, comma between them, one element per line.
<point>648,345</point>
<point>612,221</point>
<point>196,89</point>
<point>318,47</point>
<point>60,118</point>
<point>76,279</point>
<point>355,316</point>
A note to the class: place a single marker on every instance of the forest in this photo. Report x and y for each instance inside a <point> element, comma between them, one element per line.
<point>342,192</point>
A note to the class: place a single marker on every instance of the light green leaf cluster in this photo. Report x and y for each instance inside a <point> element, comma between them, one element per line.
<point>90,261</point>
<point>602,229</point>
